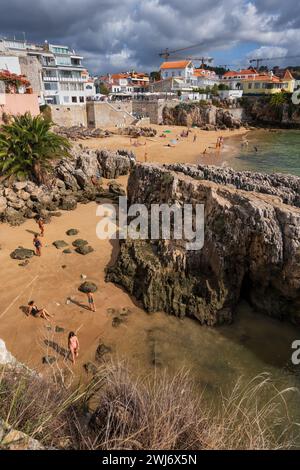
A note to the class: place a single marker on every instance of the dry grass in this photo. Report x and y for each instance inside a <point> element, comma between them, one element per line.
<point>117,411</point>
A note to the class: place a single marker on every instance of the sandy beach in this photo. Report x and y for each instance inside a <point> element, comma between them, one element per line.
<point>156,150</point>
<point>53,278</point>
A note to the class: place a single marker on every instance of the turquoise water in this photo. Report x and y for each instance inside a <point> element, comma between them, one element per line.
<point>277,152</point>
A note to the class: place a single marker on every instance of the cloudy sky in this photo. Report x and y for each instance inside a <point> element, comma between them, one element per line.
<point>115,35</point>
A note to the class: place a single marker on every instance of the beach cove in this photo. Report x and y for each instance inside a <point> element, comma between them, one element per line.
<point>216,357</point>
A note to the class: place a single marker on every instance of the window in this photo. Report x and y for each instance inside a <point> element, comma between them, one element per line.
<point>250,86</point>
<point>257,85</point>
<point>66,99</point>
<point>81,99</point>
<point>74,99</point>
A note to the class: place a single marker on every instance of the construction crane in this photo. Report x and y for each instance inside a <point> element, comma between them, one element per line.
<point>167,53</point>
<point>259,61</point>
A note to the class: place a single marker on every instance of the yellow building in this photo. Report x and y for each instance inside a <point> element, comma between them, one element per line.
<point>269,84</point>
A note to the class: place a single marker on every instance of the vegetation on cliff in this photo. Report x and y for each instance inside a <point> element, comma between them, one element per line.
<point>27,147</point>
<point>117,410</point>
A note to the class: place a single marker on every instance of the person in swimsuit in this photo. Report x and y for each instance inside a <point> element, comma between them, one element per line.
<point>37,244</point>
<point>36,312</point>
<point>91,302</point>
<point>41,225</point>
<point>73,345</point>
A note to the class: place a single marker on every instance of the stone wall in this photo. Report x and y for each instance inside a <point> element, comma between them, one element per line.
<point>153,109</point>
<point>109,114</point>
<point>32,68</point>
<point>68,116</point>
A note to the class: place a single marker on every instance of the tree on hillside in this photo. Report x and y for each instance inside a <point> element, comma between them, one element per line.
<point>155,76</point>
<point>27,147</point>
<point>103,90</point>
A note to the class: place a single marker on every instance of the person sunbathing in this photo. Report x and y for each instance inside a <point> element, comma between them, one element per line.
<point>36,312</point>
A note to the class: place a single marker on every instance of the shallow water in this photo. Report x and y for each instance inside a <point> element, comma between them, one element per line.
<point>278,151</point>
<point>216,357</point>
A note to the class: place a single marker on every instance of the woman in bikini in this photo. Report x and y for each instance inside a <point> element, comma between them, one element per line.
<point>37,245</point>
<point>36,312</point>
<point>73,345</point>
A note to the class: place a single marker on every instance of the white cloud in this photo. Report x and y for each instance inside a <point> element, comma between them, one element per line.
<point>115,34</point>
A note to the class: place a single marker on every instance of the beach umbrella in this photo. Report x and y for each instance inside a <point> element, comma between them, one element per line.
<point>174,141</point>
<point>167,132</point>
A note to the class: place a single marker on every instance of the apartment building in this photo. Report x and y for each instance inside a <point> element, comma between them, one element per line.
<point>56,72</point>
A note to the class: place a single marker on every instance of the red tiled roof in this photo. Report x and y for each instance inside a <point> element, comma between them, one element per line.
<point>233,73</point>
<point>204,73</point>
<point>180,64</point>
<point>265,78</point>
<point>288,76</point>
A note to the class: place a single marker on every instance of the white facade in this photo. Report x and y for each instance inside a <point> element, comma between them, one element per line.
<point>186,73</point>
<point>64,79</point>
<point>10,63</point>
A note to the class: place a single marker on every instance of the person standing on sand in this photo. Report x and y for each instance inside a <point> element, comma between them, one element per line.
<point>37,244</point>
<point>41,224</point>
<point>73,345</point>
<point>91,302</point>
<point>195,138</point>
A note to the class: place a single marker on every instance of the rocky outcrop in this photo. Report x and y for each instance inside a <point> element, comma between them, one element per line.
<point>135,131</point>
<point>287,187</point>
<point>82,133</point>
<point>264,112</point>
<point>5,356</point>
<point>115,164</point>
<point>251,248</point>
<point>205,116</point>
<point>73,181</point>
<point>11,439</point>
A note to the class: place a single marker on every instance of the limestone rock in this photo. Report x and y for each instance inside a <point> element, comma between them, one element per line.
<point>11,439</point>
<point>251,248</point>
<point>87,287</point>
<point>59,244</point>
<point>5,356</point>
<point>72,232</point>
<point>22,254</point>
<point>101,351</point>
<point>79,242</point>
<point>84,250</point>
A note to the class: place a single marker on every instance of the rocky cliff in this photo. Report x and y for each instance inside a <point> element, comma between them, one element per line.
<point>207,117</point>
<point>251,247</point>
<point>70,183</point>
<point>265,112</point>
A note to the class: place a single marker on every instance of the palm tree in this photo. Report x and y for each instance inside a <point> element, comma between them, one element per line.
<point>27,147</point>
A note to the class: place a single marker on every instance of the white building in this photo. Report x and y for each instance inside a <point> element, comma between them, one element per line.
<point>183,69</point>
<point>56,71</point>
<point>206,78</point>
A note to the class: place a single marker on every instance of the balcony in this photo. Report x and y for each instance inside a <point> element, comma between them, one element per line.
<point>64,79</point>
<point>72,79</point>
